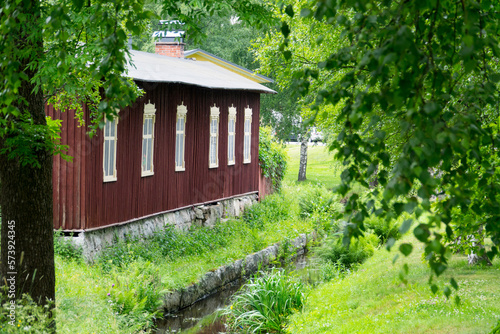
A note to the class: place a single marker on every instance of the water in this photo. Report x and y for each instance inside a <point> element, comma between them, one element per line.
<point>201,317</point>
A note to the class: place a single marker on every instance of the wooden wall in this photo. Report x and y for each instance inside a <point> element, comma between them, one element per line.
<point>82,200</point>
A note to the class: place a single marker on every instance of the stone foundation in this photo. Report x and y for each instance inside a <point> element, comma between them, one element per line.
<point>94,241</point>
<point>216,280</point>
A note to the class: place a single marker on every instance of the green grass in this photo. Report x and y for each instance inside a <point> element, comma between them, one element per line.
<point>322,168</point>
<point>374,300</point>
<point>82,301</point>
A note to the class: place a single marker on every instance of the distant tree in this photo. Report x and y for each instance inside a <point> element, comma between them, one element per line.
<point>296,114</point>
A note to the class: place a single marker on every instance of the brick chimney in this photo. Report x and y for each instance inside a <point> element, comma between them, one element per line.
<point>170,49</point>
<point>170,42</point>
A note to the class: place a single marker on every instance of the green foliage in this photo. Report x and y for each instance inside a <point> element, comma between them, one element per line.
<point>65,248</point>
<point>136,293</point>
<point>28,317</point>
<point>412,89</point>
<point>373,300</point>
<point>329,270</point>
<point>272,157</point>
<point>169,243</point>
<point>264,304</point>
<point>322,206</point>
<point>358,251</point>
<point>384,229</point>
<point>496,330</point>
<point>272,208</point>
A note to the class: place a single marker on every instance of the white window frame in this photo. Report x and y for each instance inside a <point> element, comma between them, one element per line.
<point>247,136</point>
<point>149,114</point>
<point>214,136</point>
<point>231,136</point>
<point>113,139</point>
<point>181,115</point>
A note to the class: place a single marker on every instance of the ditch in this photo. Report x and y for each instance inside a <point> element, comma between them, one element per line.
<point>202,317</point>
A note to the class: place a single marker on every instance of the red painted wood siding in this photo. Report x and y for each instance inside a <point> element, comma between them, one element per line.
<point>69,177</point>
<point>132,196</point>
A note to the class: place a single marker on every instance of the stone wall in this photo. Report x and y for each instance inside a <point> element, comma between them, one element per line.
<point>216,280</point>
<point>95,241</point>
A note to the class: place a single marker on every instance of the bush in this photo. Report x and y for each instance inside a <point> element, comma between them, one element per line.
<point>359,250</point>
<point>272,157</point>
<point>29,317</point>
<point>273,208</point>
<point>65,248</point>
<point>320,204</point>
<point>136,296</point>
<point>265,303</point>
<point>384,229</point>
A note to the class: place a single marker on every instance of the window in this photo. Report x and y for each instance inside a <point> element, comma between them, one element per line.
<point>231,129</point>
<point>109,152</point>
<point>247,138</point>
<point>213,155</point>
<point>148,130</point>
<point>180,137</point>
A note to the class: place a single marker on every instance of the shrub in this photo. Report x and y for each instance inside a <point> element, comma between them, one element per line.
<point>136,296</point>
<point>319,204</point>
<point>29,317</point>
<point>272,157</point>
<point>264,304</point>
<point>65,248</point>
<point>358,251</point>
<point>273,208</point>
<point>384,229</point>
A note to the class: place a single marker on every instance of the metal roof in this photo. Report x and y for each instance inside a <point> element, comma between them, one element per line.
<point>157,68</point>
<point>216,58</point>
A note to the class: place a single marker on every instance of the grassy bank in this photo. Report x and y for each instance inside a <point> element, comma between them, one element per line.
<point>374,300</point>
<point>118,292</point>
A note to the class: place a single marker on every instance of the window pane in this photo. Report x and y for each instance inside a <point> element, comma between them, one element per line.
<point>106,157</point>
<point>112,128</point>
<point>111,157</point>
<point>180,149</point>
<point>177,150</point>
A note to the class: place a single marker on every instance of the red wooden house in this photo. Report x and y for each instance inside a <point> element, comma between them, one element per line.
<point>192,139</point>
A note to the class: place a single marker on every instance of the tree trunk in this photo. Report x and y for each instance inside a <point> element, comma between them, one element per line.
<point>474,258</point>
<point>27,248</point>
<point>303,158</point>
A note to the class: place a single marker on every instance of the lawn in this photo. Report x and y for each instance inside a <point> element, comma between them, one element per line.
<point>322,168</point>
<point>374,300</point>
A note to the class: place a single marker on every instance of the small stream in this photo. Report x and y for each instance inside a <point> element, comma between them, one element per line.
<point>201,317</point>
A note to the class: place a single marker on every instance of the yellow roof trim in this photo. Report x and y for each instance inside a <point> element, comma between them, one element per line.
<point>200,56</point>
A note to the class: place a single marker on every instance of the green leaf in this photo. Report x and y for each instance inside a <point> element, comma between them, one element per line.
<point>447,292</point>
<point>289,10</point>
<point>454,283</point>
<point>390,242</point>
<point>434,288</point>
<point>306,12</point>
<point>285,29</point>
<point>78,4</point>
<point>287,54</point>
<point>421,232</point>
<point>406,249</point>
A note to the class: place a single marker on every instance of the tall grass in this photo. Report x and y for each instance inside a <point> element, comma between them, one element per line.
<point>264,304</point>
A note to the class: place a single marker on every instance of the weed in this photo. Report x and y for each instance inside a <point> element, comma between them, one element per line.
<point>29,317</point>
<point>358,251</point>
<point>65,248</point>
<point>265,303</point>
<point>383,228</point>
